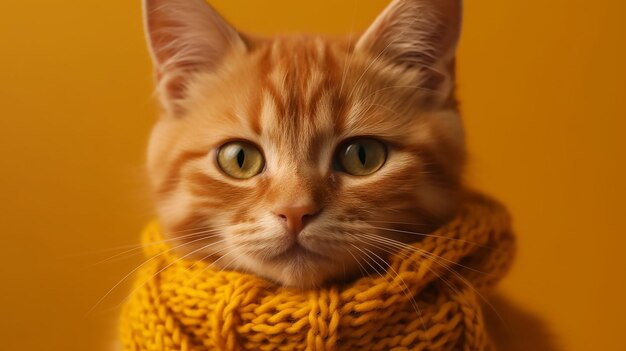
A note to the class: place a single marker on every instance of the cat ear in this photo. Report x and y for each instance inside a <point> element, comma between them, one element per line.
<point>184,37</point>
<point>421,34</point>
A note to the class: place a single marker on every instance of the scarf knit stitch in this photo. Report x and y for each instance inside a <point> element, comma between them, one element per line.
<point>429,298</point>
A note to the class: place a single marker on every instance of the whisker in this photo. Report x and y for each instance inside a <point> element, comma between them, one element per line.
<point>134,291</point>
<point>387,222</point>
<point>482,297</point>
<point>139,247</point>
<point>361,268</point>
<point>233,246</point>
<point>137,268</point>
<point>405,289</point>
<point>431,236</point>
<point>201,260</point>
<point>449,269</point>
<point>237,246</point>
<point>404,246</point>
<point>192,230</point>
<point>386,247</point>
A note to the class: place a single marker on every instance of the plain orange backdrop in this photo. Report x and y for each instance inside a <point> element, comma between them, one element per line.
<point>543,90</point>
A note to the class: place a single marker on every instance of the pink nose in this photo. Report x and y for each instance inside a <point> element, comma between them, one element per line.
<point>296,217</point>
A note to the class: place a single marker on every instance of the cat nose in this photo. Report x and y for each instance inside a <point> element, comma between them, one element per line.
<point>296,217</point>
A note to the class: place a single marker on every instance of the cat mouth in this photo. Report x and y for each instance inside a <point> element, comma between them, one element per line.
<point>296,250</point>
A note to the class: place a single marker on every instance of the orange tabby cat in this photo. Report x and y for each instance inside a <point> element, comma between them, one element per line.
<point>275,156</point>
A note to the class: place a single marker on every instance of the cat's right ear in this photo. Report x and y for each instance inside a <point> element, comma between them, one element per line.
<point>185,37</point>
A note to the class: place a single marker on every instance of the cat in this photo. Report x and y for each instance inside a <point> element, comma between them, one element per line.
<point>283,156</point>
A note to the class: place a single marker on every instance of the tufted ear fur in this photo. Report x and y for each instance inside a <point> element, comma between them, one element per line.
<point>418,34</point>
<point>184,37</point>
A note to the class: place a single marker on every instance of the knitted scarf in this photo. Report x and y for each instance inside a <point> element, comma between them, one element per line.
<point>428,299</point>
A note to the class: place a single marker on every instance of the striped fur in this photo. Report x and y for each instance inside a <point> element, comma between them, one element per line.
<point>297,98</point>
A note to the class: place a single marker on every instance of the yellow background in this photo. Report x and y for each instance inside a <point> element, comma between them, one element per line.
<point>543,89</point>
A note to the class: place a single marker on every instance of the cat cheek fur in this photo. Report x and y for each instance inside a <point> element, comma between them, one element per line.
<point>298,98</point>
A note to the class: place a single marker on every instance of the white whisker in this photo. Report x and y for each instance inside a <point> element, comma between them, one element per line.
<point>405,288</point>
<point>141,265</point>
<point>430,236</point>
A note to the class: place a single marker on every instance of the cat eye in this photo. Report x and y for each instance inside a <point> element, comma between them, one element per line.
<point>361,157</point>
<point>240,160</point>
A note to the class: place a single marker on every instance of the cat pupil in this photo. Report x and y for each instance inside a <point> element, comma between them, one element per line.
<point>241,157</point>
<point>362,155</point>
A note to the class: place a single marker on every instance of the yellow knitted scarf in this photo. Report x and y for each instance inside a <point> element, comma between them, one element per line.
<point>423,302</point>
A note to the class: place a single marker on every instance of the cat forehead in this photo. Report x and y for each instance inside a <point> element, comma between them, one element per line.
<point>316,85</point>
<point>300,81</point>
<point>286,87</point>
<point>299,91</point>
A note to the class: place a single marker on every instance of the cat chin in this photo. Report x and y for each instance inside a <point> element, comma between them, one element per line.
<point>297,268</point>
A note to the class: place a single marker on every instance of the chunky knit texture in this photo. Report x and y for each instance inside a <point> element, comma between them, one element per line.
<point>422,302</point>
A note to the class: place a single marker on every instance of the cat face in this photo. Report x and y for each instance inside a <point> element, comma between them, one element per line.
<point>294,157</point>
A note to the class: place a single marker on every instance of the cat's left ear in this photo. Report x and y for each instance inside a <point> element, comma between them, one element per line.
<point>418,34</point>
<point>185,37</point>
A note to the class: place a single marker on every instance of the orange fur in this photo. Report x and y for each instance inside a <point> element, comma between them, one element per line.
<point>298,98</point>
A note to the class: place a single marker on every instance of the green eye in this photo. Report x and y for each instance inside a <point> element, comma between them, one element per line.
<point>240,160</point>
<point>361,157</point>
